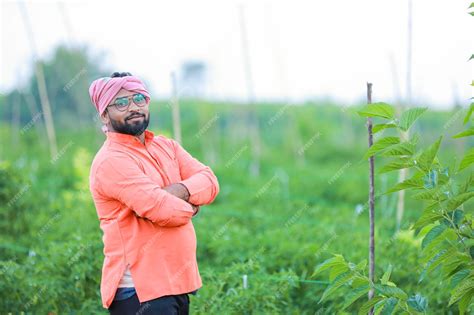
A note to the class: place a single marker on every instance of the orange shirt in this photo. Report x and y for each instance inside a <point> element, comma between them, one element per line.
<point>144,226</point>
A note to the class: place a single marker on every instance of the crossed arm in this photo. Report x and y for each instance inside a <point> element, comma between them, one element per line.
<point>173,205</point>
<point>182,192</point>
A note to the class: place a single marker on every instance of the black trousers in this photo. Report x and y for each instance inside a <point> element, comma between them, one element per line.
<point>165,305</point>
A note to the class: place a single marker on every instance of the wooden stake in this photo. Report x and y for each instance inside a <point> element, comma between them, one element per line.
<point>254,125</point>
<point>371,201</point>
<point>16,103</point>
<point>40,80</point>
<point>403,173</point>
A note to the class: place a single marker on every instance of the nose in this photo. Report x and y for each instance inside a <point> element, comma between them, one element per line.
<point>133,107</point>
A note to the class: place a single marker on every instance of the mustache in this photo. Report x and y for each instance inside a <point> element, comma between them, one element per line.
<point>135,115</point>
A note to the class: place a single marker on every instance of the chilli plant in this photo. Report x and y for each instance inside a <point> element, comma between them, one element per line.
<point>445,224</point>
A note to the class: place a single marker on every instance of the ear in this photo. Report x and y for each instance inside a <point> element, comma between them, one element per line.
<point>105,117</point>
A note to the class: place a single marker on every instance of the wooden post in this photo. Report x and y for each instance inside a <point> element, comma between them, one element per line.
<point>16,103</point>
<point>371,201</point>
<point>253,118</point>
<point>175,110</point>
<point>403,173</point>
<point>48,117</point>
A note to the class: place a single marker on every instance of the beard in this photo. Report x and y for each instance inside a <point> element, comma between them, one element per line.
<point>134,128</point>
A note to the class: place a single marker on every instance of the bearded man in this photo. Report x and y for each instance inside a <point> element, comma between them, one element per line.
<point>146,190</point>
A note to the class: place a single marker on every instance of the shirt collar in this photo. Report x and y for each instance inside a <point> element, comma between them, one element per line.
<point>124,138</point>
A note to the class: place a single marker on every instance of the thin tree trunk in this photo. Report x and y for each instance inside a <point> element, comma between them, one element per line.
<point>371,201</point>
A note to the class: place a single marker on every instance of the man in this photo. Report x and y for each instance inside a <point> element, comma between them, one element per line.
<point>146,189</point>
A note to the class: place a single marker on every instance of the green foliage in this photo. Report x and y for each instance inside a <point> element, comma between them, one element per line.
<point>14,201</point>
<point>351,279</point>
<point>447,226</point>
<point>275,239</point>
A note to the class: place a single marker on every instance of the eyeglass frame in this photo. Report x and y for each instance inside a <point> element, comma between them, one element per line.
<point>130,100</point>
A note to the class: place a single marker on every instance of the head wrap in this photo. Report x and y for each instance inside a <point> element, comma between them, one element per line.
<point>103,91</point>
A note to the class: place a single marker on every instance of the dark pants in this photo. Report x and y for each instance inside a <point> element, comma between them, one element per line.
<point>165,305</point>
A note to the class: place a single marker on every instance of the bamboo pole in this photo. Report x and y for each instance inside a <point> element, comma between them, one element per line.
<point>41,82</point>
<point>16,103</point>
<point>371,201</point>
<point>254,125</point>
<point>403,173</point>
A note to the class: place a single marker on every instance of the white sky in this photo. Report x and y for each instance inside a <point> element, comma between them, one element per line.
<point>298,49</point>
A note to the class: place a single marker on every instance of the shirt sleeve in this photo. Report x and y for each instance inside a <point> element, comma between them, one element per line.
<point>120,177</point>
<point>198,178</point>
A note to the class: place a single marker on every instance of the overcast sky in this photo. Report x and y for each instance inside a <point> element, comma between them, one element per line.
<point>297,49</point>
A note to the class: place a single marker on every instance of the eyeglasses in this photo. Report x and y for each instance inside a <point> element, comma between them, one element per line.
<point>122,103</point>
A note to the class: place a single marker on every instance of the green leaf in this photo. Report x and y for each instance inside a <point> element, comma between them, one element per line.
<point>432,234</point>
<point>369,304</point>
<point>418,303</point>
<point>466,133</point>
<point>451,267</point>
<point>386,275</point>
<point>437,247</point>
<point>378,127</point>
<point>463,288</point>
<point>439,258</point>
<point>469,113</point>
<point>381,145</point>
<point>354,295</point>
<point>409,117</point>
<point>338,260</point>
<point>427,156</point>
<point>389,306</point>
<point>359,281</point>
<point>411,183</point>
<point>396,165</point>
<point>426,218</point>
<point>467,184</point>
<point>361,266</point>
<point>338,282</point>
<point>431,194</point>
<point>390,291</point>
<point>337,270</point>
<point>467,160</point>
<point>459,276</point>
<point>377,110</point>
<point>465,301</point>
<point>403,148</point>
<point>458,200</point>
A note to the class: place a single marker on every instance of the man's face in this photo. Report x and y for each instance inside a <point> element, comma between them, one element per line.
<point>132,121</point>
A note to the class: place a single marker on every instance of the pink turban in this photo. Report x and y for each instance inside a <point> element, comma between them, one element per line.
<point>102,91</point>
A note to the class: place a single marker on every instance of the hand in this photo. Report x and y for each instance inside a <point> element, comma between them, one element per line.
<point>178,190</point>
<point>195,208</point>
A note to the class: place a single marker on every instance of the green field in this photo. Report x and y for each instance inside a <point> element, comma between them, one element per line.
<point>308,202</point>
